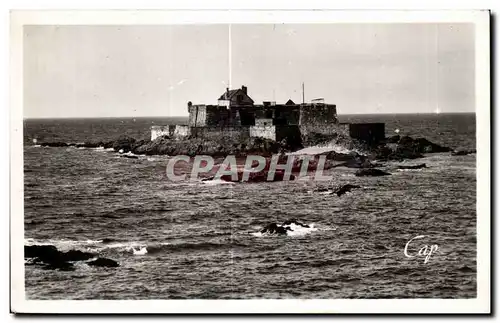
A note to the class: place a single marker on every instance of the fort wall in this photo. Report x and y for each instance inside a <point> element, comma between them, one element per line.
<point>181,131</point>
<point>172,131</point>
<point>197,115</point>
<point>264,131</point>
<point>325,129</point>
<point>318,115</point>
<point>158,131</point>
<point>217,133</point>
<point>238,118</point>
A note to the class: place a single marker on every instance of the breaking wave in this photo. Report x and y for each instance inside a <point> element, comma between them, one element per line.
<point>131,248</point>
<point>217,182</point>
<point>321,149</point>
<point>294,231</point>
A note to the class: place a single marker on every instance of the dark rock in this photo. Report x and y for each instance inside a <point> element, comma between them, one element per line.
<point>371,172</point>
<point>54,144</point>
<point>344,189</point>
<point>273,228</point>
<point>340,190</point>
<point>463,152</point>
<point>60,265</point>
<point>124,143</point>
<point>353,156</point>
<point>215,148</point>
<point>425,146</point>
<point>77,255</point>
<point>364,163</point>
<point>41,252</point>
<point>257,177</point>
<point>129,156</point>
<point>400,148</point>
<point>139,143</point>
<point>399,153</point>
<point>412,166</point>
<point>103,262</point>
<point>51,258</point>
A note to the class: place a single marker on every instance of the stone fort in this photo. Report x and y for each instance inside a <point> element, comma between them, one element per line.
<point>237,116</point>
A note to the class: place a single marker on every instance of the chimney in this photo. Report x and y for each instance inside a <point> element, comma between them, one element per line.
<point>244,89</point>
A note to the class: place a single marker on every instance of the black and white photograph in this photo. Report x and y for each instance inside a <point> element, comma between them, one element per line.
<point>321,159</point>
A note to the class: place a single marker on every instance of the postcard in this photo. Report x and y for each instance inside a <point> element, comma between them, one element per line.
<point>245,161</point>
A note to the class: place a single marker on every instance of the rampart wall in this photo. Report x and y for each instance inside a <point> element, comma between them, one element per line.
<point>172,131</point>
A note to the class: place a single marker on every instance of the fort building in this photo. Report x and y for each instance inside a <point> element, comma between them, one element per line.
<point>236,115</point>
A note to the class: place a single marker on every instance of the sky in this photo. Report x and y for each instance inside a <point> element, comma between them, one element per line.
<point>138,70</point>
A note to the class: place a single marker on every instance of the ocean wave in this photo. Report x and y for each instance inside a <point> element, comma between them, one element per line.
<point>129,153</point>
<point>132,247</point>
<point>216,182</point>
<point>63,244</point>
<point>138,248</point>
<point>321,149</point>
<point>103,149</point>
<point>190,246</point>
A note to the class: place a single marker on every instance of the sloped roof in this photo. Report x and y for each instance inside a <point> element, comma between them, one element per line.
<point>290,102</point>
<point>228,95</point>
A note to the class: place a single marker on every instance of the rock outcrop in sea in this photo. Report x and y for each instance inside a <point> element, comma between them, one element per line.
<point>419,166</point>
<point>395,148</point>
<point>371,172</point>
<point>50,258</point>
<point>401,148</point>
<point>463,152</point>
<point>285,228</point>
<point>340,190</point>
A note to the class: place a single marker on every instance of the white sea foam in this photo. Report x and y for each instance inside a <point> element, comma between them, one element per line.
<point>155,158</point>
<point>129,153</point>
<point>217,182</point>
<point>63,244</point>
<point>321,149</point>
<point>297,230</point>
<point>140,252</point>
<point>95,246</point>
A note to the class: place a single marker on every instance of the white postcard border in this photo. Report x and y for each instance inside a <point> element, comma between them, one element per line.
<point>481,304</point>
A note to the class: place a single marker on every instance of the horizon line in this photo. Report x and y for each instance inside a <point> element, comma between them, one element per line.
<point>187,116</point>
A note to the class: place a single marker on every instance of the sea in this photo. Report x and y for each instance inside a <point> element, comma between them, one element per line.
<point>196,240</point>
